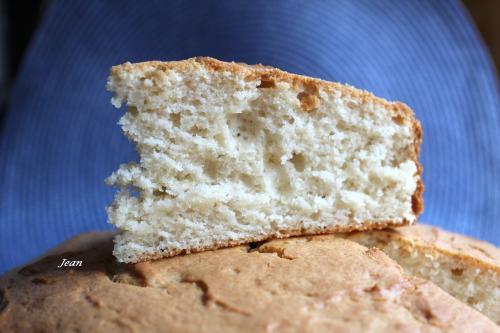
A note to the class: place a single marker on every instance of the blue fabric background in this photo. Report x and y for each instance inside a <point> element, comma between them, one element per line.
<point>60,138</point>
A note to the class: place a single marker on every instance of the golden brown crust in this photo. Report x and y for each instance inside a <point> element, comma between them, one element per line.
<point>267,73</point>
<point>417,199</point>
<point>279,235</point>
<point>268,77</point>
<point>313,284</point>
<point>434,241</point>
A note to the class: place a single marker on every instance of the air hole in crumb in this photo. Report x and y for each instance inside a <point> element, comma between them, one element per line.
<point>195,130</point>
<point>184,176</point>
<point>351,104</point>
<point>133,110</point>
<point>284,186</point>
<point>457,271</point>
<point>298,162</point>
<point>271,159</point>
<point>245,124</point>
<point>210,168</point>
<point>219,138</point>
<point>175,118</point>
<point>249,181</point>
<point>266,82</point>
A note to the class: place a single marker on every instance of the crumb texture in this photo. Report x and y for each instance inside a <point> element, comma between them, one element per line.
<point>232,153</point>
<point>466,268</point>
<point>292,285</point>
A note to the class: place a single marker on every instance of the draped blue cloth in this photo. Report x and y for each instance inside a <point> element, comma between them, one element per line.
<point>59,138</point>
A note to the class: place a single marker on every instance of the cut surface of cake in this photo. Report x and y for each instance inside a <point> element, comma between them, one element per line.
<point>466,268</point>
<point>231,153</point>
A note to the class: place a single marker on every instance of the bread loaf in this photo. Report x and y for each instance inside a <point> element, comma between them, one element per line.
<point>315,284</point>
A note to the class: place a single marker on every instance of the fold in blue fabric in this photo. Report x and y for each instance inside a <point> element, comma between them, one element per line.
<point>60,139</point>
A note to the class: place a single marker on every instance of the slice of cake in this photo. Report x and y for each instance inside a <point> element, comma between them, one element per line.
<point>466,268</point>
<point>231,153</point>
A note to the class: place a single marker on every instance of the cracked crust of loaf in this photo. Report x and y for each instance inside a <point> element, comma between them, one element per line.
<point>466,268</point>
<point>297,284</point>
<point>268,75</point>
<point>432,240</point>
